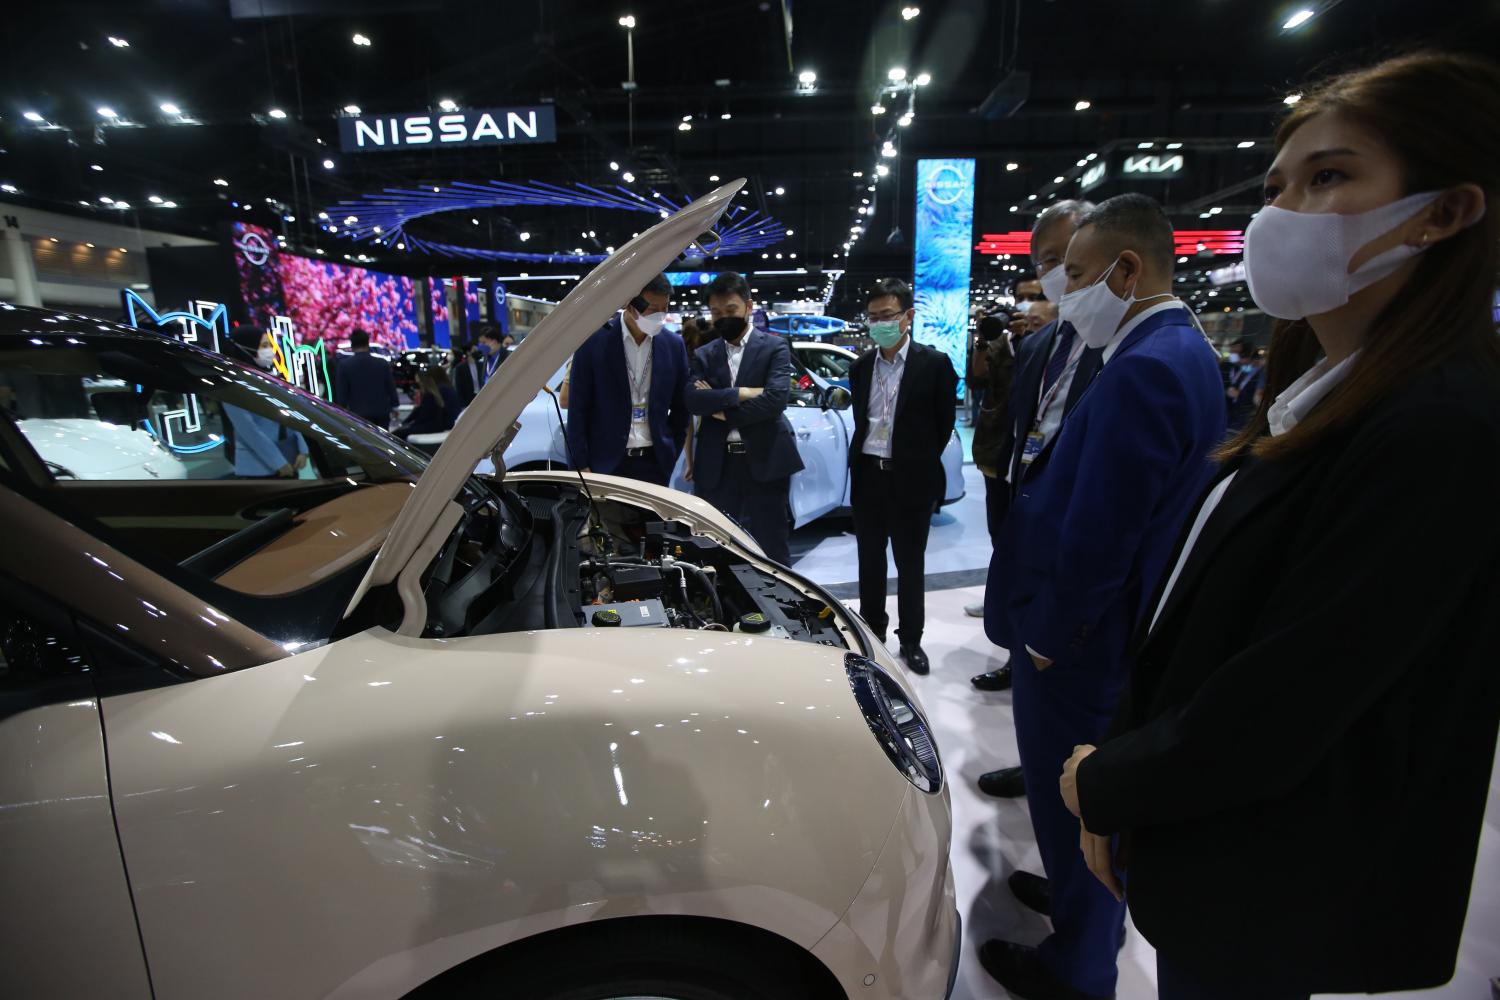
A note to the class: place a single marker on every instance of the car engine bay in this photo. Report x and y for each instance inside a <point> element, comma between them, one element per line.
<point>557,559</point>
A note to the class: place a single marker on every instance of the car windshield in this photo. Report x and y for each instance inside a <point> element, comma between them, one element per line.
<point>829,364</point>
<point>252,494</point>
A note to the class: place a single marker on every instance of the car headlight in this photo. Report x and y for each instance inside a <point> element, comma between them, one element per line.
<point>899,728</point>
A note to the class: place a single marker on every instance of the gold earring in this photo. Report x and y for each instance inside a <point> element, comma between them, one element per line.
<point>1424,240</point>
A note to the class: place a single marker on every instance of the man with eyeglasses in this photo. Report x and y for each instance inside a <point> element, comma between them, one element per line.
<point>904,407</point>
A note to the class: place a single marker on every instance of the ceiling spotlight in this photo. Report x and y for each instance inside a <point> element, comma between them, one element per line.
<point>904,120</point>
<point>923,79</point>
<point>121,43</point>
<point>789,232</point>
<point>628,177</point>
<point>897,74</point>
<point>1031,197</point>
<point>687,118</point>
<point>106,199</point>
<point>122,204</point>
<point>1246,144</point>
<point>351,109</point>
<point>887,151</point>
<point>627,21</point>
<point>1012,166</point>
<point>12,189</point>
<point>807,77</point>
<point>154,199</point>
<point>361,40</point>
<point>448,104</point>
<point>1144,145</point>
<point>907,13</point>
<point>475,221</point>
<point>276,113</point>
<point>781,190</point>
<point>96,166</point>
<point>525,236</point>
<point>859,173</point>
<point>684,126</point>
<point>168,108</point>
<point>1015,208</point>
<point>32,116</point>
<point>173,204</point>
<point>882,171</point>
<point>713,178</point>
<point>327,164</point>
<point>108,113</point>
<point>1215,210</point>
<point>1291,99</point>
<point>1058,179</point>
<point>1174,145</point>
<point>1297,20</point>
<point>1082,106</point>
<point>877,109</point>
<point>725,116</point>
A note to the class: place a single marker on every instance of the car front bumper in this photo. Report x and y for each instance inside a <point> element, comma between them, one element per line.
<point>899,939</point>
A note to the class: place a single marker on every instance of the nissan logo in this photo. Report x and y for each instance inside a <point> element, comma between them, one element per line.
<point>254,249</point>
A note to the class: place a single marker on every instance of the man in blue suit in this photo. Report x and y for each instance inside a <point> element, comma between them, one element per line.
<point>745,453</point>
<point>626,415</point>
<point>1096,515</point>
<point>364,384</point>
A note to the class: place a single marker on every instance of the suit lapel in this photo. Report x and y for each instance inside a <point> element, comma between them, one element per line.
<point>614,354</point>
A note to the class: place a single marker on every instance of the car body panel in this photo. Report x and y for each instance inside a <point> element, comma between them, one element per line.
<point>490,416</point>
<point>94,449</point>
<point>67,918</point>
<point>353,820</point>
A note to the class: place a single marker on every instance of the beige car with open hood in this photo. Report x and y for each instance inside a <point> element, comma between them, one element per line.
<point>376,727</point>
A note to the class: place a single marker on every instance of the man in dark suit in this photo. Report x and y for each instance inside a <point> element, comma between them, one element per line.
<point>626,414</point>
<point>1096,515</point>
<point>904,403</point>
<point>466,374</point>
<point>1052,367</point>
<point>745,454</point>
<point>364,384</point>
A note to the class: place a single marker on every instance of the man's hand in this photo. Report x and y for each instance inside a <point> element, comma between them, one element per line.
<point>1234,393</point>
<point>748,392</point>
<point>587,471</point>
<point>1042,663</point>
<point>1098,852</point>
<point>700,384</point>
<point>285,472</point>
<point>687,472</point>
<point>720,416</point>
<point>1068,783</point>
<point>301,462</point>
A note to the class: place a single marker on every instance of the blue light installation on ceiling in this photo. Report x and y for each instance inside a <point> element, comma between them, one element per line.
<point>383,218</point>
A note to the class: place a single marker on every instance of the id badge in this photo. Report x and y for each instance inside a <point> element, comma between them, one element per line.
<point>638,412</point>
<point>880,432</point>
<point>1032,448</point>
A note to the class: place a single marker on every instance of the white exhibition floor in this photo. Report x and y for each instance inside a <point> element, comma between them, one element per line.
<point>992,837</point>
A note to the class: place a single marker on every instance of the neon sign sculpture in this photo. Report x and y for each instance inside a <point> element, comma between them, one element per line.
<point>303,365</point>
<point>200,327</point>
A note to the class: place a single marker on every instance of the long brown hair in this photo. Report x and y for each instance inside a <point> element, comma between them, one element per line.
<point>1440,114</point>
<point>432,380</point>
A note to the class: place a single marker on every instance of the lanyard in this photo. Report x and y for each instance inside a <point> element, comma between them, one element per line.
<point>887,397</point>
<point>640,383</point>
<point>1063,378</point>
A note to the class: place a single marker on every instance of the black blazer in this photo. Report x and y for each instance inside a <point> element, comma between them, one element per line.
<point>762,423</point>
<point>467,380</point>
<point>1304,752</point>
<point>925,408</point>
<point>1026,391</point>
<point>364,385</point>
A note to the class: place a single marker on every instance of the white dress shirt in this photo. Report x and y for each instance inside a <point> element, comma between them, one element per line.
<point>737,352</point>
<point>638,376</point>
<point>885,389</point>
<point>1295,403</point>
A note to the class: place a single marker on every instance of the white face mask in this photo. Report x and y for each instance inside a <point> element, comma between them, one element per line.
<point>265,357</point>
<point>1024,307</point>
<point>1297,263</point>
<point>1053,283</point>
<point>650,325</point>
<point>1095,311</point>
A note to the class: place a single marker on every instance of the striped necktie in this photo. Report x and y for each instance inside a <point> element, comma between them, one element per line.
<point>1059,359</point>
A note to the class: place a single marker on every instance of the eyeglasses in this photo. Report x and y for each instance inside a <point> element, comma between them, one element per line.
<point>884,317</point>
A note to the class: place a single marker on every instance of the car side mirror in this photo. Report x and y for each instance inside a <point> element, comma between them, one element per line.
<point>836,397</point>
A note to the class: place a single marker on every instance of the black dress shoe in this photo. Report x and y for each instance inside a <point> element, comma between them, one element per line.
<point>994,680</point>
<point>1019,969</point>
<point>916,660</point>
<point>1032,891</point>
<point>1006,783</point>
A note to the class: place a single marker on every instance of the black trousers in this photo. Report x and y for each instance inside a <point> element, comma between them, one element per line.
<point>886,514</point>
<point>759,507</point>
<point>996,504</point>
<point>643,467</point>
<point>1176,983</point>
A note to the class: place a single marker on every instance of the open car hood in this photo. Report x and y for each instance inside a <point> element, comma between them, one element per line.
<point>430,511</point>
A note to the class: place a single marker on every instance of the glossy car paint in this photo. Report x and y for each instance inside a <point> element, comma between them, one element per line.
<point>93,449</point>
<point>67,923</point>
<point>353,820</point>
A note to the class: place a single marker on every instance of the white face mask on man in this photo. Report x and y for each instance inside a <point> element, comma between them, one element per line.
<point>1297,263</point>
<point>1095,311</point>
<point>649,325</point>
<point>1053,283</point>
<point>265,357</point>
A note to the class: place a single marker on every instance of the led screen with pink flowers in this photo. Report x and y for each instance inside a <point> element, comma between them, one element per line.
<point>326,301</point>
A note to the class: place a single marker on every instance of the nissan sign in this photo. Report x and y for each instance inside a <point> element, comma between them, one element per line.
<point>478,127</point>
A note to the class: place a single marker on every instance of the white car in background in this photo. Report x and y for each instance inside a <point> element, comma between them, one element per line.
<point>399,731</point>
<point>81,448</point>
<point>830,361</point>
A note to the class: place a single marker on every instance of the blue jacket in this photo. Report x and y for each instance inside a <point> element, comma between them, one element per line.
<point>762,423</point>
<point>599,400</point>
<point>1098,513</point>
<point>363,385</point>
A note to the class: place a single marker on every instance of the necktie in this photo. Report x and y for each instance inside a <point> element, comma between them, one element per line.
<point>1059,359</point>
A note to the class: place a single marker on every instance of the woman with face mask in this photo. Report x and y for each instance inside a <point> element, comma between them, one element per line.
<point>1298,774</point>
